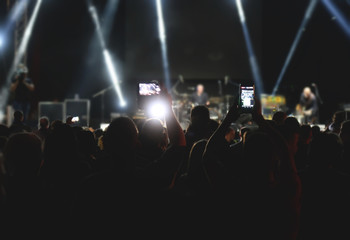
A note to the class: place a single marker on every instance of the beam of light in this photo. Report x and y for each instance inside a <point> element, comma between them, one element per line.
<point>94,16</point>
<point>16,12</point>
<point>162,38</point>
<point>114,76</point>
<point>106,26</point>
<point>252,59</point>
<point>310,9</point>
<point>108,17</point>
<point>1,40</point>
<point>339,17</point>
<point>20,52</point>
<point>107,57</point>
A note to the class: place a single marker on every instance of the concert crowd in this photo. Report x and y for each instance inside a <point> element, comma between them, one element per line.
<point>243,177</point>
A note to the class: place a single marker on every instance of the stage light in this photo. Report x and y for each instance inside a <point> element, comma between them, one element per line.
<point>337,16</point>
<point>252,59</point>
<point>162,39</point>
<point>107,57</point>
<point>310,9</point>
<point>20,52</point>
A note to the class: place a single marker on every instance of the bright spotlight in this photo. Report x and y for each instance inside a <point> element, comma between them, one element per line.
<point>1,41</point>
<point>157,110</point>
<point>252,59</point>
<point>162,39</point>
<point>307,16</point>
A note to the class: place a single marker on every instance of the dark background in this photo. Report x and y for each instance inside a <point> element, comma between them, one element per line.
<point>205,43</point>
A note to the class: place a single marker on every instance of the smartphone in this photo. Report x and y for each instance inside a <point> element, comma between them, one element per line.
<point>147,92</point>
<point>246,97</point>
<point>149,89</point>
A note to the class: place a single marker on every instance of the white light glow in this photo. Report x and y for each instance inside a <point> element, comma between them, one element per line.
<point>161,27</point>
<point>114,77</point>
<point>240,10</point>
<point>157,110</point>
<point>27,34</point>
<point>162,38</point>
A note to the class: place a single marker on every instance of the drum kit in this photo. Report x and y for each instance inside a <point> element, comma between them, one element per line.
<point>218,107</point>
<point>182,105</point>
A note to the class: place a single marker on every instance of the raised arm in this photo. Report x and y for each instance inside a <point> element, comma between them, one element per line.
<point>218,137</point>
<point>175,132</point>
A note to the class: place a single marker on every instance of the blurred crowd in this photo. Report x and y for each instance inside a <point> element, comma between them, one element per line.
<point>243,177</point>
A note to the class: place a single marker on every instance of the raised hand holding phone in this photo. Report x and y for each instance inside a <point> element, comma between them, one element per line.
<point>246,97</point>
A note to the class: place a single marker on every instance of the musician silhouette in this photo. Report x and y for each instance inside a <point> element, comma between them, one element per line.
<point>308,106</point>
<point>200,97</point>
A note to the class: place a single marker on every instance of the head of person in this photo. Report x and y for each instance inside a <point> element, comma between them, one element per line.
<point>23,154</point>
<point>200,88</point>
<point>22,72</point>
<point>152,133</point>
<point>279,117</point>
<point>121,136</point>
<point>337,119</point>
<point>307,92</point>
<point>200,116</point>
<point>18,116</point>
<point>44,123</point>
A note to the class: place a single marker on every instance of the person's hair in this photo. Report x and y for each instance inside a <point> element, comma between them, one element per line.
<point>44,122</point>
<point>23,153</point>
<point>18,115</point>
<point>279,117</point>
<point>120,136</point>
<point>200,114</point>
<point>290,127</point>
<point>56,123</point>
<point>345,127</point>
<point>152,132</point>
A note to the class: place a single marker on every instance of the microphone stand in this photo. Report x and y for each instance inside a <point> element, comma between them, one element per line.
<point>102,93</point>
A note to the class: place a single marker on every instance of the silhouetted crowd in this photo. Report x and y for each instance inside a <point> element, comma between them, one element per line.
<point>243,177</point>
